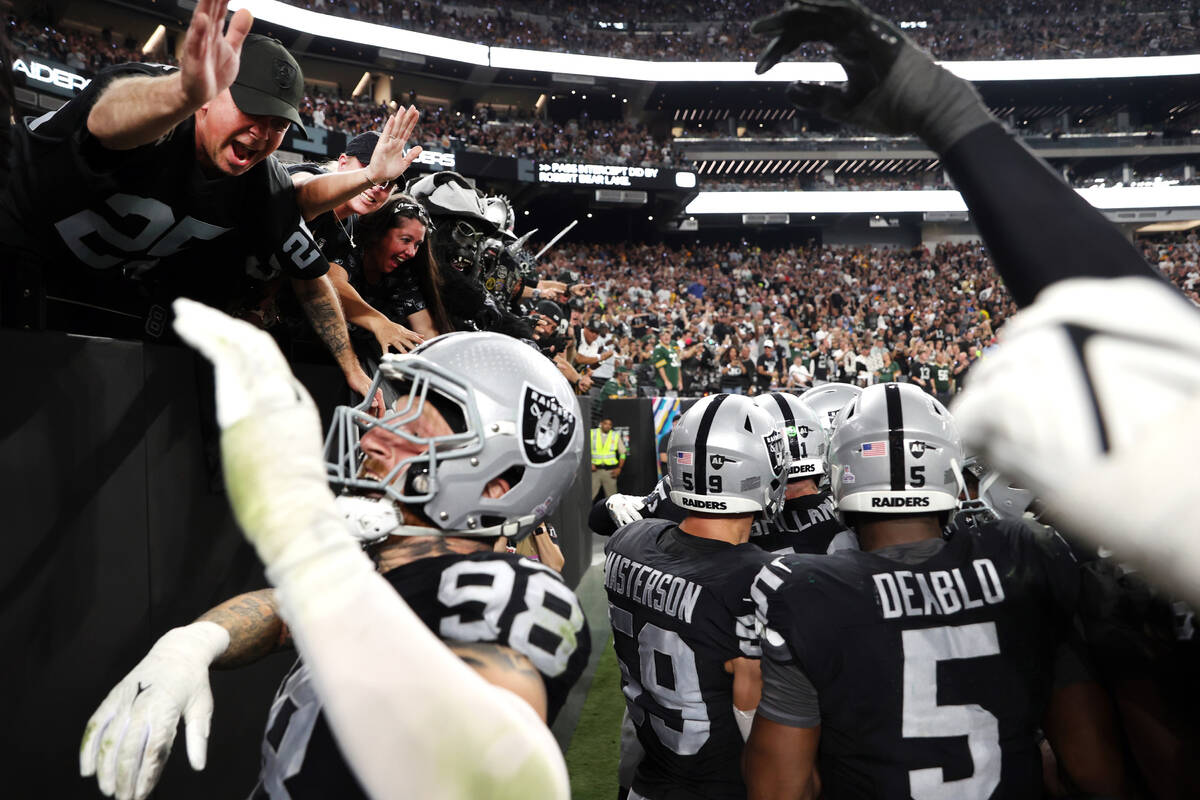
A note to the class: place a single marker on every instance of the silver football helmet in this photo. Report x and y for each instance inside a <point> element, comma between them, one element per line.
<point>803,435</point>
<point>726,456</point>
<point>828,400</point>
<point>463,410</point>
<point>996,496</point>
<point>895,450</point>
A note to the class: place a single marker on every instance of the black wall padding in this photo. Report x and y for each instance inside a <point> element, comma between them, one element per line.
<point>116,528</point>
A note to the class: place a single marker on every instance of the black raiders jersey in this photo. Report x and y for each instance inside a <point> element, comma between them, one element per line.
<point>805,524</point>
<point>931,677</point>
<point>481,597</point>
<point>680,608</point>
<point>335,237</point>
<point>69,200</point>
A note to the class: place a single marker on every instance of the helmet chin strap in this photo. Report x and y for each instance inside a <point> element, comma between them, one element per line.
<point>372,520</point>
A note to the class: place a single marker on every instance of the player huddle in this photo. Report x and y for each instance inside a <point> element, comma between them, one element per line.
<point>834,649</point>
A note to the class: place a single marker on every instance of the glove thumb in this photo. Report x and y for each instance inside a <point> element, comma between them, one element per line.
<point>828,99</point>
<point>197,718</point>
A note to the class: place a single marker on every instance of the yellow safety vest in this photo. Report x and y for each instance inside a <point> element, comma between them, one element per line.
<point>604,447</point>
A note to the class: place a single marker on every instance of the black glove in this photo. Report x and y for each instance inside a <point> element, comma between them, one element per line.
<point>892,87</point>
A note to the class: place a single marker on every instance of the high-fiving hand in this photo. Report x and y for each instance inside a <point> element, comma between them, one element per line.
<point>390,159</point>
<point>211,55</point>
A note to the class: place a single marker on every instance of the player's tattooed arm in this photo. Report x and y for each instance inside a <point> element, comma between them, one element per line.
<point>504,667</point>
<point>255,628</point>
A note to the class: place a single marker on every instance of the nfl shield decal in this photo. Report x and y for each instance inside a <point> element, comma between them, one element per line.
<point>547,426</point>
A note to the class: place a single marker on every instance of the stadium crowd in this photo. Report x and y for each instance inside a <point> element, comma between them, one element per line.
<point>968,31</point>
<point>745,319</point>
<point>508,133</point>
<point>85,52</point>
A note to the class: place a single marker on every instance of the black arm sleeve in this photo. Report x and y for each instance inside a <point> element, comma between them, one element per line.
<point>600,521</point>
<point>1038,230</point>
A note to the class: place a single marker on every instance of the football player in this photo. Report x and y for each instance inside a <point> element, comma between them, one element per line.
<point>1061,406</point>
<point>808,522</point>
<point>682,618</point>
<point>827,400</point>
<point>918,666</point>
<point>480,439</point>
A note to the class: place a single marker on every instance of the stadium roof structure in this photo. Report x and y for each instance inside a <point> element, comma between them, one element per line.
<point>396,39</point>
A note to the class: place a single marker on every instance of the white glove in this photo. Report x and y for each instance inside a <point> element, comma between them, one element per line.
<point>128,739</point>
<point>624,508</point>
<point>271,446</point>
<point>1096,362</point>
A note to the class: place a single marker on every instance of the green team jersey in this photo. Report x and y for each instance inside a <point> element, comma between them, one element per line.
<point>888,374</point>
<point>665,358</point>
<point>924,372</point>
<point>610,389</point>
<point>941,377</point>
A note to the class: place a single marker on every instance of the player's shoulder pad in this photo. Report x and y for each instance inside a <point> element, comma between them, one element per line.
<point>1026,536</point>
<point>650,526</point>
<point>515,560</point>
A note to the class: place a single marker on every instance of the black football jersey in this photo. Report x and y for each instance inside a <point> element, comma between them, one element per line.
<point>931,678</point>
<point>335,237</point>
<point>806,524</point>
<point>680,608</point>
<point>481,597</point>
<point>69,200</point>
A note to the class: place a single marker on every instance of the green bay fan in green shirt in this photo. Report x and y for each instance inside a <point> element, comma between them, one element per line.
<point>665,360</point>
<point>889,372</point>
<point>615,387</point>
<point>943,380</point>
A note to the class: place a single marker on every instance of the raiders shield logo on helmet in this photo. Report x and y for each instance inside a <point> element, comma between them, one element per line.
<point>547,426</point>
<point>916,449</point>
<point>774,443</point>
<point>717,461</point>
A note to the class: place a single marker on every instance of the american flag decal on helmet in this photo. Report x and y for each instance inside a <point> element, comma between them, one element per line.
<point>874,449</point>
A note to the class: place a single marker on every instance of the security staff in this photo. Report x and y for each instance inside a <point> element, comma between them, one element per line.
<point>608,456</point>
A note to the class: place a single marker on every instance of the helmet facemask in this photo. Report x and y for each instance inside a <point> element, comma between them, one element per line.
<point>412,387</point>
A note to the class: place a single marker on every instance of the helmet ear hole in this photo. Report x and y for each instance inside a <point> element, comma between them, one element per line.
<point>512,476</point>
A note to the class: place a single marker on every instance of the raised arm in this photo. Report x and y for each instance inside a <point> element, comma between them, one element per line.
<point>138,110</point>
<point>326,192</point>
<point>894,87</point>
